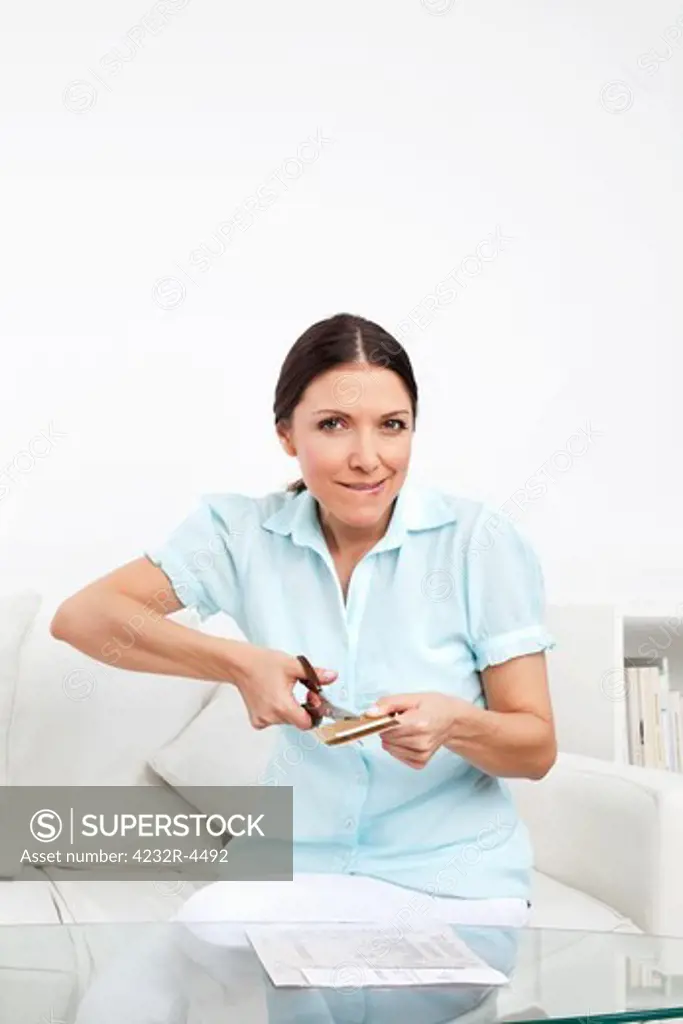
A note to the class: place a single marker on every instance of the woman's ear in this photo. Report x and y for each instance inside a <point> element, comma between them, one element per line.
<point>284,435</point>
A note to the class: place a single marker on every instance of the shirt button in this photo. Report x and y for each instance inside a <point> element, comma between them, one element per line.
<point>349,823</point>
<point>344,693</point>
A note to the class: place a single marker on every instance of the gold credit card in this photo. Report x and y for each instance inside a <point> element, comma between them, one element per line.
<point>350,729</point>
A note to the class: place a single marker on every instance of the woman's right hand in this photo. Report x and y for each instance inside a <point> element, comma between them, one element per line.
<point>266,682</point>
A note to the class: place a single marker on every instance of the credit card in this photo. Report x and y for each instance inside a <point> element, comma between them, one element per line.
<point>351,729</point>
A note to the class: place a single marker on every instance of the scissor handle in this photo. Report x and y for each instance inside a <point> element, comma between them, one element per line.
<point>310,680</point>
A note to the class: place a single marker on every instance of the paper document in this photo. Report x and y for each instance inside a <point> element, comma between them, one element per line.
<point>363,956</point>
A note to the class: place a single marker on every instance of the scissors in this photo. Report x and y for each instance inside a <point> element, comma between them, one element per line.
<point>326,709</point>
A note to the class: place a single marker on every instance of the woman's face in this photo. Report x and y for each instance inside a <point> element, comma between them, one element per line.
<point>352,428</point>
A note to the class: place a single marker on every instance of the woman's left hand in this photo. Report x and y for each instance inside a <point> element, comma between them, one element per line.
<point>427,721</point>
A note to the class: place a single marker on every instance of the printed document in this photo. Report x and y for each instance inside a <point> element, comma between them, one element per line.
<point>363,956</point>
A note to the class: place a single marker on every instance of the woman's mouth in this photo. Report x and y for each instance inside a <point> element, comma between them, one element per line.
<point>375,488</point>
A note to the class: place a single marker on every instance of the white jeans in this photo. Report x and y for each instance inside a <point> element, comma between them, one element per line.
<point>335,897</point>
<point>206,959</point>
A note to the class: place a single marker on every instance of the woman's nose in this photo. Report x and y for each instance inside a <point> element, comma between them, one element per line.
<point>364,454</point>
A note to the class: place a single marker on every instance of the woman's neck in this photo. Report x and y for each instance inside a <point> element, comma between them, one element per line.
<point>344,540</point>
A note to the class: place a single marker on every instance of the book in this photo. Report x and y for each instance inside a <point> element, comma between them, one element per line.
<point>667,749</point>
<point>634,716</point>
<point>650,712</point>
<point>653,717</point>
<point>676,727</point>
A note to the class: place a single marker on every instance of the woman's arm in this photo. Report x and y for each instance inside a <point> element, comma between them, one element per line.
<point>514,735</point>
<point>120,619</point>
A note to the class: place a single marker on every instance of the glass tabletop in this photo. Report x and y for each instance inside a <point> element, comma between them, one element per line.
<point>204,974</point>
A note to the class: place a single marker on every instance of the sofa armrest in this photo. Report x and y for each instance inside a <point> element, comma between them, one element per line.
<point>613,831</point>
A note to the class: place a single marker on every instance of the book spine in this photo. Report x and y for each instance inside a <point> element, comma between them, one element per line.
<point>676,729</point>
<point>663,695</point>
<point>650,715</point>
<point>634,716</point>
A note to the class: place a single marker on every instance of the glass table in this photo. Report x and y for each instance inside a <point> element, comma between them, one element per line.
<point>171,973</point>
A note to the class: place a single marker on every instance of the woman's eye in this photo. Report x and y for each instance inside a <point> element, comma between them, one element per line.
<point>329,423</point>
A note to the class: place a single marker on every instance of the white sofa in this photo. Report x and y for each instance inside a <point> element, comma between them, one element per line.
<point>608,838</point>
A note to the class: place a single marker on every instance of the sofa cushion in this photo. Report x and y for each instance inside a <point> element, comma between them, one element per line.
<point>612,830</point>
<point>38,962</point>
<point>556,905</point>
<point>29,901</point>
<point>219,747</point>
<point>77,721</point>
<point>88,901</point>
<point>17,614</point>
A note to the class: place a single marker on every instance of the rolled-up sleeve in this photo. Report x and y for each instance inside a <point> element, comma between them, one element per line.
<point>199,563</point>
<point>505,593</point>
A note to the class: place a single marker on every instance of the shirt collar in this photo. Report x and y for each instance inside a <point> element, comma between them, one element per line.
<point>416,508</point>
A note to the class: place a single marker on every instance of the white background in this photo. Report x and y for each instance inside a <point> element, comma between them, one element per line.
<point>446,122</point>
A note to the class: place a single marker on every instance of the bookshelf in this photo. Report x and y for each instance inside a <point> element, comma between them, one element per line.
<point>603,702</point>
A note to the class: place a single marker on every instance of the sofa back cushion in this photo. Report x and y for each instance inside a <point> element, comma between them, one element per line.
<point>219,747</point>
<point>17,615</point>
<point>77,721</point>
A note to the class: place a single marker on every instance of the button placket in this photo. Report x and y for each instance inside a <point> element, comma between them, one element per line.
<point>359,588</point>
<point>351,610</point>
<point>352,616</point>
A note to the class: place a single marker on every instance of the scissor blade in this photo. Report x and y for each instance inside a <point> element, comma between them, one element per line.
<point>334,712</point>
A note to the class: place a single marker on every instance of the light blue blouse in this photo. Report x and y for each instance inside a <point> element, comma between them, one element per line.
<point>450,588</point>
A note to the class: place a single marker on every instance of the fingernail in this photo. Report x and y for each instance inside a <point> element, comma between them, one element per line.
<point>328,673</point>
<point>373,710</point>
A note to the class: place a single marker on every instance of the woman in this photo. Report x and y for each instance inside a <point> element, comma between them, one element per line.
<point>404,598</point>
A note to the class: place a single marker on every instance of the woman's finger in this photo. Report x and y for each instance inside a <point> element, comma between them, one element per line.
<point>402,732</point>
<point>408,723</point>
<point>406,750</point>
<point>412,762</point>
<point>295,669</point>
<point>411,741</point>
<point>325,675</point>
<point>290,712</point>
<point>397,703</point>
<point>404,753</point>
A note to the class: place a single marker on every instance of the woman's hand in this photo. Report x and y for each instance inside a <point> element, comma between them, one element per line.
<point>266,680</point>
<point>426,722</point>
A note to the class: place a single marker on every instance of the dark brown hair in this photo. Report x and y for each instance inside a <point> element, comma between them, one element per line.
<point>340,339</point>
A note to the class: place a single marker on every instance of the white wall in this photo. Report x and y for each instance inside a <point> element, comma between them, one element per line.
<point>446,123</point>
